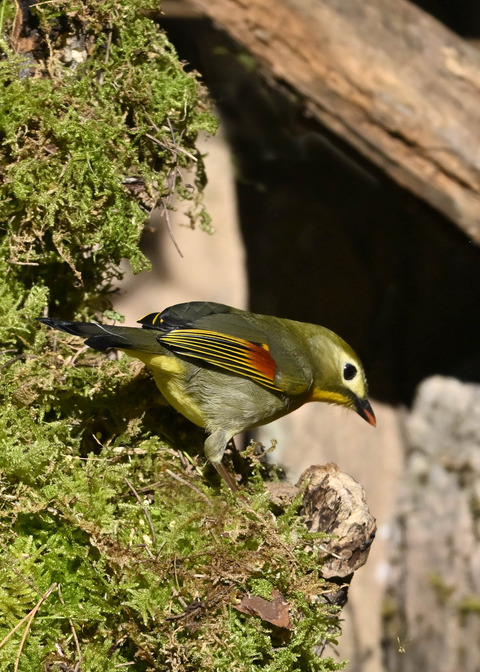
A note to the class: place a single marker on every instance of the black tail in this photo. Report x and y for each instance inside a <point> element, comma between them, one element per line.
<point>99,336</point>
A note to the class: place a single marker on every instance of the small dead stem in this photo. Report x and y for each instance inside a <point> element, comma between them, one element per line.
<point>29,619</point>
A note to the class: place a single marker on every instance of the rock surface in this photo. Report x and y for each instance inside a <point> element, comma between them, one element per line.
<point>432,617</point>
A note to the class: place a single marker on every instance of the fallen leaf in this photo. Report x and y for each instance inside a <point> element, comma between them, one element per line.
<point>274,611</point>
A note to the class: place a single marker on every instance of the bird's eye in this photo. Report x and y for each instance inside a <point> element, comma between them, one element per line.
<point>349,371</point>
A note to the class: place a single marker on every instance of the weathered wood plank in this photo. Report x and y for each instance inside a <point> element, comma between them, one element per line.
<point>387,78</point>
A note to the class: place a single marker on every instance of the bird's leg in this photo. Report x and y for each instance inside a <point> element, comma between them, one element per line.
<point>214,449</point>
<point>227,477</point>
<point>240,465</point>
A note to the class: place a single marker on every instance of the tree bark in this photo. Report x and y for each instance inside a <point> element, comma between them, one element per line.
<point>387,78</point>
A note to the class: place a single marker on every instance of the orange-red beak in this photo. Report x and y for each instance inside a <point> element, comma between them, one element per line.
<point>364,410</point>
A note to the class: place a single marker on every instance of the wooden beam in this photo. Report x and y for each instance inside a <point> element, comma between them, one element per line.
<point>386,77</point>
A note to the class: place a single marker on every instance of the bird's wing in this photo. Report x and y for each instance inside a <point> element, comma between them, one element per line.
<point>236,341</point>
<point>185,315</point>
<point>237,355</point>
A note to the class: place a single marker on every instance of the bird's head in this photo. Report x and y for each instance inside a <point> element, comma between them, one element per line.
<point>339,377</point>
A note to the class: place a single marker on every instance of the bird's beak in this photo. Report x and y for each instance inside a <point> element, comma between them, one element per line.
<point>365,411</point>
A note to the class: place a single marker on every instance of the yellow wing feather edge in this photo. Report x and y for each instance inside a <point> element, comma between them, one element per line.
<point>237,355</point>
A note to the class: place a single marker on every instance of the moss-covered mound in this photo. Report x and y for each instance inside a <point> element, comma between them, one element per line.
<point>114,552</point>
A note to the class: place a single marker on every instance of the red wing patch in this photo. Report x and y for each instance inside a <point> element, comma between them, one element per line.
<point>252,360</point>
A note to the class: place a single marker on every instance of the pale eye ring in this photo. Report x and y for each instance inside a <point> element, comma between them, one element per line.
<point>349,371</point>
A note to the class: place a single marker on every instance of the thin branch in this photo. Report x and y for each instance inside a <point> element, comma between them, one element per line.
<point>147,515</point>
<point>189,485</point>
<point>174,151</point>
<point>109,43</point>
<point>74,632</point>
<point>12,632</point>
<point>173,173</point>
<point>73,359</point>
<point>171,131</point>
<point>16,358</point>
<point>29,618</point>
<point>169,229</point>
<point>22,263</point>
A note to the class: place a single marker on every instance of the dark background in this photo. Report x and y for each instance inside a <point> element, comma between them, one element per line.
<point>329,239</point>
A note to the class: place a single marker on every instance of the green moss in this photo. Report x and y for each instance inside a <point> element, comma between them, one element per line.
<point>470,605</point>
<point>151,577</point>
<point>90,146</point>
<point>474,504</point>
<point>138,558</point>
<point>159,576</point>
<point>443,592</point>
<point>152,581</point>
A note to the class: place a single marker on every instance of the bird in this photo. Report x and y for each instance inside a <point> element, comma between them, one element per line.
<point>230,370</point>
